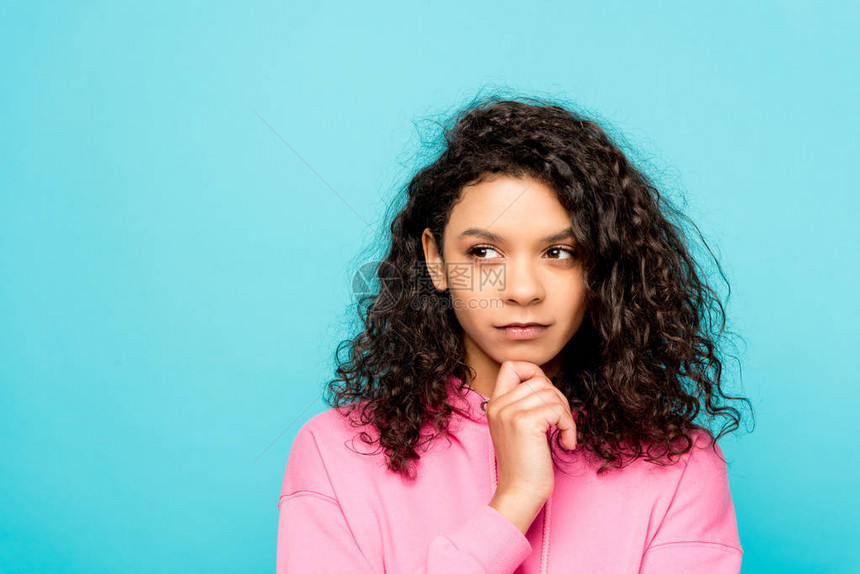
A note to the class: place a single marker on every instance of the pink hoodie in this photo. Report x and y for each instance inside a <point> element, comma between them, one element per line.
<point>341,511</point>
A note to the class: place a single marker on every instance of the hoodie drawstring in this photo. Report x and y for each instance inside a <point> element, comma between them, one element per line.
<point>547,521</point>
<point>544,554</point>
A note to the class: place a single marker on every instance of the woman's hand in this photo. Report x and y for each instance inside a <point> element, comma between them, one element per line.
<point>524,405</point>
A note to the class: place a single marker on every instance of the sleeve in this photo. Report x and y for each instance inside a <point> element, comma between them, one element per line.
<point>487,542</point>
<point>314,535</point>
<point>699,531</point>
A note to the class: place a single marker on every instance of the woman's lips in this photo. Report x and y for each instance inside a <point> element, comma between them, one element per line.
<point>515,333</point>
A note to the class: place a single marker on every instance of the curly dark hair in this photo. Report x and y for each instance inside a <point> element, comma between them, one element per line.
<point>645,359</point>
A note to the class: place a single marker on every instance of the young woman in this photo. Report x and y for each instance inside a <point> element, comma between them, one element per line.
<point>530,370</point>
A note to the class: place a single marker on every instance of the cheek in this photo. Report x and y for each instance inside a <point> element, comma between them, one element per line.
<point>470,308</point>
<point>570,299</point>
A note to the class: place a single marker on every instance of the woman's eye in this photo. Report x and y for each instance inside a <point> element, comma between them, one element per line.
<point>477,251</point>
<point>480,252</point>
<point>569,252</point>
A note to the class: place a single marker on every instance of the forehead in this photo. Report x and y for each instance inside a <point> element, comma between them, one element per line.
<point>508,206</point>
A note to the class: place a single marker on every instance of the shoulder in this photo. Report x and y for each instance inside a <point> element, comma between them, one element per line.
<point>326,445</point>
<point>703,461</point>
<point>325,423</point>
<point>701,468</point>
<point>702,480</point>
<point>705,457</point>
<point>326,433</point>
<point>698,507</point>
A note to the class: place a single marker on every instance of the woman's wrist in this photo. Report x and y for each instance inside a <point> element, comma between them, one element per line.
<point>520,509</point>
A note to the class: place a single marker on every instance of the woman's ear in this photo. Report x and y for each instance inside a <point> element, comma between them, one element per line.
<point>435,264</point>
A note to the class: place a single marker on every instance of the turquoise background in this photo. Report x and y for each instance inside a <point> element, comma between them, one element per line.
<point>186,188</point>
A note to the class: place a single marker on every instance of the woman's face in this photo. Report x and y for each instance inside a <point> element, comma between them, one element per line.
<point>510,257</point>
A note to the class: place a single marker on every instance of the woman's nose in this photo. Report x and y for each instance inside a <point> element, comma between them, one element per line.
<point>523,284</point>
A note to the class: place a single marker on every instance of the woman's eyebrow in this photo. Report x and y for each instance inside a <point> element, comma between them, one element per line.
<point>490,236</point>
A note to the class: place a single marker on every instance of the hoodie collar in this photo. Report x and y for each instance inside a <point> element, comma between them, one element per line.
<point>466,400</point>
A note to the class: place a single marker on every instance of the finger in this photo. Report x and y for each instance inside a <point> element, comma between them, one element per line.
<point>512,373</point>
<point>560,415</point>
<point>550,405</point>
<point>567,428</point>
<point>565,423</point>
